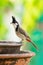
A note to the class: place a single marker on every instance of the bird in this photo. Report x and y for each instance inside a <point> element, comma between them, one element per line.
<point>21,33</point>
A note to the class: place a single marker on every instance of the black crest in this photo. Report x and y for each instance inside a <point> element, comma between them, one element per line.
<point>14,20</point>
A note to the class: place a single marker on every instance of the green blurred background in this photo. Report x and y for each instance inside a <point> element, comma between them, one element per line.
<point>30,15</point>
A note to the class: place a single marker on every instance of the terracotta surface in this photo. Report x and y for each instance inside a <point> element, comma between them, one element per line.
<point>14,61</point>
<point>9,47</point>
<point>22,58</point>
<point>14,58</point>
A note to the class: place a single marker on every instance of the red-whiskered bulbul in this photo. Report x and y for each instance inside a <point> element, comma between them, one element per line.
<point>21,33</point>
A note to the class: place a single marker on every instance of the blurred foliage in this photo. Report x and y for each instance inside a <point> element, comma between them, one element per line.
<point>30,12</point>
<point>4,6</point>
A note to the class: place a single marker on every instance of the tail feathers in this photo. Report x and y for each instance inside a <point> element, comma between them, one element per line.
<point>32,44</point>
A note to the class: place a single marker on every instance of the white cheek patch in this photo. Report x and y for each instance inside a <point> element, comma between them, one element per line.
<point>15,26</point>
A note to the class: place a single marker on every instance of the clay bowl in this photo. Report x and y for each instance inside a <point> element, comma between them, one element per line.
<point>9,47</point>
<point>21,58</point>
<point>10,54</point>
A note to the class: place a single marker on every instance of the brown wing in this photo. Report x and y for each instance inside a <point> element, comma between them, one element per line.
<point>23,32</point>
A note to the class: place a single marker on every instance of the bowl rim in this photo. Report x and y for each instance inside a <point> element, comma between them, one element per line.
<point>10,43</point>
<point>18,55</point>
